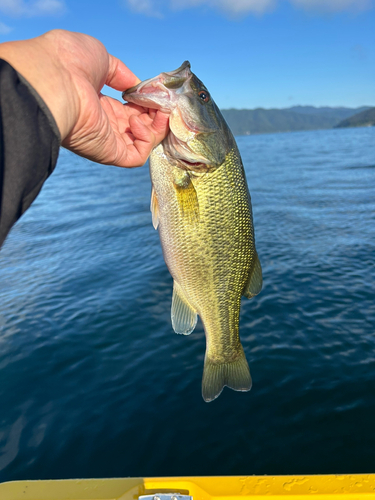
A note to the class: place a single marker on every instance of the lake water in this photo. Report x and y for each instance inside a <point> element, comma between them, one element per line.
<point>93,381</point>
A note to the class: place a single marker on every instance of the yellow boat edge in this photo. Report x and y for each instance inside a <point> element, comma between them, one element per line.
<point>199,488</point>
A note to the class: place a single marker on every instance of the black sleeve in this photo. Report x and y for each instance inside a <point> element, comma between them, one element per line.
<point>29,146</point>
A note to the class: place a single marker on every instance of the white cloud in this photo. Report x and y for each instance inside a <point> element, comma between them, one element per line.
<point>243,7</point>
<point>233,7</point>
<point>4,29</point>
<point>49,7</point>
<point>24,8</point>
<point>147,7</point>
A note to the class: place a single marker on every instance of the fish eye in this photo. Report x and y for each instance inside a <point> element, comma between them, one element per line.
<point>204,95</point>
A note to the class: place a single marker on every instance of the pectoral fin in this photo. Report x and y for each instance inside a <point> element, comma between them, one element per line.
<point>154,207</point>
<point>184,317</point>
<point>187,197</point>
<point>255,282</point>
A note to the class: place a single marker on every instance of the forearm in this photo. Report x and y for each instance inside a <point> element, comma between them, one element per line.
<point>29,146</point>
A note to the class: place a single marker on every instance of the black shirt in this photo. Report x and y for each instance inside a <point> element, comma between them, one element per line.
<point>29,146</point>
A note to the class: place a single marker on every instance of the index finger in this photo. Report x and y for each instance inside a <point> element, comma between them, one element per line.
<point>119,76</point>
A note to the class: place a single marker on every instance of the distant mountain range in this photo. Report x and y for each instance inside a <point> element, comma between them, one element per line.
<point>258,121</point>
<point>364,119</point>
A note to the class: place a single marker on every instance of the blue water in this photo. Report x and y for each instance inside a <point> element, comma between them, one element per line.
<point>93,381</point>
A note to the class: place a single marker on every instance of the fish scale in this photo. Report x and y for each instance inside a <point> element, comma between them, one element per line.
<point>213,256</point>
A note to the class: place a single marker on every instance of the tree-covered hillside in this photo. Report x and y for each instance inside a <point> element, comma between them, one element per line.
<point>364,119</point>
<point>257,121</point>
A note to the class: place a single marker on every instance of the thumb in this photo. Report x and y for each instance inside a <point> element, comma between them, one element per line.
<point>119,76</point>
<point>160,126</point>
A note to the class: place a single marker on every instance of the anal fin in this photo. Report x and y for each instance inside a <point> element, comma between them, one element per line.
<point>184,317</point>
<point>255,281</point>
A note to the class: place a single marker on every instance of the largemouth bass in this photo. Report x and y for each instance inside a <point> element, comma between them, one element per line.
<point>201,205</point>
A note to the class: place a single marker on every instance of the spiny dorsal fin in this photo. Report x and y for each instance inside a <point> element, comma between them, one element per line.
<point>154,207</point>
<point>255,282</point>
<point>184,317</point>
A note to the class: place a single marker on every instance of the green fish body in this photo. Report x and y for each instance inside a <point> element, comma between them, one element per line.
<point>202,208</point>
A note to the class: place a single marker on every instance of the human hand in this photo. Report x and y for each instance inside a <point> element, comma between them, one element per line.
<point>68,70</point>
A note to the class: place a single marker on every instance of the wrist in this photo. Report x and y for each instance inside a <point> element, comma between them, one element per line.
<point>38,62</point>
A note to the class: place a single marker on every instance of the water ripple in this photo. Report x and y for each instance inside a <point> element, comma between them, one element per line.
<point>93,381</point>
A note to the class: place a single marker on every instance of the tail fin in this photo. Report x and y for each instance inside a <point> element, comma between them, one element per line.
<point>235,374</point>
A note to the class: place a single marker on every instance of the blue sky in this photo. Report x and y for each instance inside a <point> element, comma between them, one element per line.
<point>249,53</point>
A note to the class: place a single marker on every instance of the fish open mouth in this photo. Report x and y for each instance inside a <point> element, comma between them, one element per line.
<point>155,87</point>
<point>153,95</point>
<point>160,92</point>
